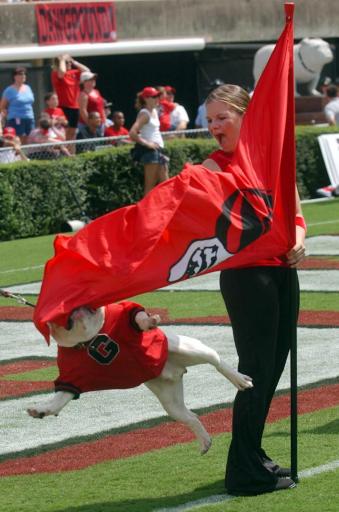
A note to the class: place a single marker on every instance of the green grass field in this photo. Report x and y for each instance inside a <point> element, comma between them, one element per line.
<point>178,475</point>
<point>174,476</point>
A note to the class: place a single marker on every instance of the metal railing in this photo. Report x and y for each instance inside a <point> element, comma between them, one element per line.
<point>66,149</point>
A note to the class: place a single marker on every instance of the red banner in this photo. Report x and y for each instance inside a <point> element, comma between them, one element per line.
<point>75,23</point>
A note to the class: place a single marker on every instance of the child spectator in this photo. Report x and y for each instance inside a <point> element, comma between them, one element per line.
<point>117,129</point>
<point>59,121</point>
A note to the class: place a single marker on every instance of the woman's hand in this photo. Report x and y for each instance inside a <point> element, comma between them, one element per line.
<point>297,254</point>
<point>152,145</point>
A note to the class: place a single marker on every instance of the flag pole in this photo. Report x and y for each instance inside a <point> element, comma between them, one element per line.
<point>294,375</point>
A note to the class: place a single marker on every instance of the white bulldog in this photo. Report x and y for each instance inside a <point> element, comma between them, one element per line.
<point>87,326</point>
<point>310,56</point>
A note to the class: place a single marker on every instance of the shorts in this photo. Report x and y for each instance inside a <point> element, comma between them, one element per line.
<point>143,155</point>
<point>72,116</point>
<point>22,126</point>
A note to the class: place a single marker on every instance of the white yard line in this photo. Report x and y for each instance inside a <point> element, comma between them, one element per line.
<point>310,280</point>
<point>222,498</point>
<point>23,269</point>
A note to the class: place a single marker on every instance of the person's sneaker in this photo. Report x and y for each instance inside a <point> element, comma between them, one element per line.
<point>284,483</point>
<point>281,484</point>
<point>284,472</point>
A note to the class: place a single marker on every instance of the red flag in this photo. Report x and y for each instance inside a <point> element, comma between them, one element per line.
<point>197,222</point>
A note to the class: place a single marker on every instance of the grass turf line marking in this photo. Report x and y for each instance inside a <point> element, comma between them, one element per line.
<point>23,269</point>
<point>221,498</point>
<point>310,224</point>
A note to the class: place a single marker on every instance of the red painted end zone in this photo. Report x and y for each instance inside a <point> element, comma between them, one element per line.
<point>118,446</point>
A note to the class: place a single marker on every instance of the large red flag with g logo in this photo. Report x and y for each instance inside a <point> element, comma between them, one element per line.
<point>194,223</point>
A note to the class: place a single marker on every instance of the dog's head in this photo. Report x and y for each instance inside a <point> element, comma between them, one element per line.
<point>84,323</point>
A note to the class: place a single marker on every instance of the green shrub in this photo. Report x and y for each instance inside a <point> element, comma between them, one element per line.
<point>37,197</point>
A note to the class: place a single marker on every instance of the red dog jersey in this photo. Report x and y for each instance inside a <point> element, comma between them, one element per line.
<point>119,356</point>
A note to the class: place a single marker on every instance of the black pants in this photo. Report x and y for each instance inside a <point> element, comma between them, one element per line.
<point>258,301</point>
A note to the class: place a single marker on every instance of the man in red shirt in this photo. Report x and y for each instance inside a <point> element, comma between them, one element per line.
<point>117,129</point>
<point>66,83</point>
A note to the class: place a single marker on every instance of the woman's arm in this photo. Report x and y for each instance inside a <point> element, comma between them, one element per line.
<point>134,134</point>
<point>83,104</point>
<point>297,254</point>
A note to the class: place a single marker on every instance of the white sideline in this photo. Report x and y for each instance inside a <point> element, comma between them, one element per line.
<point>221,498</point>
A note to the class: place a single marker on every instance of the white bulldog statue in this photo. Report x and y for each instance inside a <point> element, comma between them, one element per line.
<point>310,55</point>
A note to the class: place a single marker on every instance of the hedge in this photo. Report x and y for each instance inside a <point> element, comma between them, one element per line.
<point>36,197</point>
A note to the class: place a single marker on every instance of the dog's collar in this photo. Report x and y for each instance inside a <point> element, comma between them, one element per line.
<point>303,62</point>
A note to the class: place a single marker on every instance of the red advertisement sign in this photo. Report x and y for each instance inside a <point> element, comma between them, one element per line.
<point>79,22</point>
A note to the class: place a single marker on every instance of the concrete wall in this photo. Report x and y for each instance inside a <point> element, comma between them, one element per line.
<point>216,20</point>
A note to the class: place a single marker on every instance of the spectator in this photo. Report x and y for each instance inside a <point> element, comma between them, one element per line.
<point>324,83</point>
<point>91,130</point>
<point>66,83</point>
<point>331,109</point>
<point>149,145</point>
<point>59,121</point>
<point>200,120</point>
<point>178,117</point>
<point>13,153</point>
<point>16,105</point>
<point>117,129</point>
<point>43,134</point>
<point>107,110</point>
<point>165,108</point>
<point>90,99</point>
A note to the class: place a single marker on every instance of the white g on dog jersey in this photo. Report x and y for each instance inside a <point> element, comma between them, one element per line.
<point>119,356</point>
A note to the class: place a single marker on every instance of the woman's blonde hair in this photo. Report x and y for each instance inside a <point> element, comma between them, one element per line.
<point>139,101</point>
<point>234,95</point>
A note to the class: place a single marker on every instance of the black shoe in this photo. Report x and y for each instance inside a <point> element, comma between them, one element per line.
<point>283,472</point>
<point>284,483</point>
<point>281,484</point>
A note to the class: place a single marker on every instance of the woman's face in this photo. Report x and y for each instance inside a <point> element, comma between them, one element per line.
<point>224,124</point>
<point>20,78</point>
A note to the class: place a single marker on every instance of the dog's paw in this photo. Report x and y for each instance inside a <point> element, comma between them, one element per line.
<point>35,413</point>
<point>205,446</point>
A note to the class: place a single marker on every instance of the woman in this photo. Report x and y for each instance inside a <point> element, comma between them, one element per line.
<point>257,299</point>
<point>149,142</point>
<point>66,83</point>
<point>90,99</point>
<point>16,105</point>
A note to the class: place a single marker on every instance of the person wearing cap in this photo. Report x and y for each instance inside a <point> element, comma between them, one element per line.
<point>66,83</point>
<point>16,105</point>
<point>108,111</point>
<point>90,99</point>
<point>10,147</point>
<point>145,132</point>
<point>178,117</point>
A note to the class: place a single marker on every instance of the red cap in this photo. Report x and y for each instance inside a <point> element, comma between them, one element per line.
<point>169,88</point>
<point>149,92</point>
<point>9,132</point>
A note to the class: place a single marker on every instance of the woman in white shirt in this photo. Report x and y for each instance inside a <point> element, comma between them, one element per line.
<point>145,132</point>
